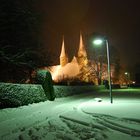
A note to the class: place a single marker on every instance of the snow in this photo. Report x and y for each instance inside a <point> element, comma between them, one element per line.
<point>81,117</point>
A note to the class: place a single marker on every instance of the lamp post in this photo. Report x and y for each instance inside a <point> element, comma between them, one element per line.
<point>99,42</point>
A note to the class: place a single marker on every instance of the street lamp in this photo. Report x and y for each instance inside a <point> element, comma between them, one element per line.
<point>100,41</point>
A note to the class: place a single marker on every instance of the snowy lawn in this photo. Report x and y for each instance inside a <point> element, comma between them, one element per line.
<point>79,117</point>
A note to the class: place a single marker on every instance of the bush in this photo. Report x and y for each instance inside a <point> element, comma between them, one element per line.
<point>115,86</point>
<point>48,86</point>
<point>7,102</point>
<point>73,82</point>
<point>14,95</point>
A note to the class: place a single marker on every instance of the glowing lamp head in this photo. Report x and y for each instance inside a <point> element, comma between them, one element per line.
<point>97,41</point>
<point>125,73</point>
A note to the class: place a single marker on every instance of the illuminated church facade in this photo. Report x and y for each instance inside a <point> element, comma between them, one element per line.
<point>79,68</point>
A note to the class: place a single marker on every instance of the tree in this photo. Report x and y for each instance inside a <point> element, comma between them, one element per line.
<point>48,86</point>
<point>99,57</point>
<point>19,39</point>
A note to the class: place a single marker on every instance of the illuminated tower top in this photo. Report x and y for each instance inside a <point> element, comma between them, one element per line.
<point>81,52</point>
<point>63,55</point>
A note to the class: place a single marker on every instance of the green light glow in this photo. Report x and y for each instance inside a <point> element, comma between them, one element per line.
<point>97,42</point>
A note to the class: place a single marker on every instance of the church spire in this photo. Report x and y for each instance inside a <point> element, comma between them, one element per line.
<point>63,53</point>
<point>63,56</point>
<point>82,54</point>
<point>81,51</point>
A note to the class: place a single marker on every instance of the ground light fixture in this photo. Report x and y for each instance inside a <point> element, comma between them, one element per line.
<point>100,41</point>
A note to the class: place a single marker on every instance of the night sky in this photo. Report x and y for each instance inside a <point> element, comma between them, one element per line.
<point>118,20</point>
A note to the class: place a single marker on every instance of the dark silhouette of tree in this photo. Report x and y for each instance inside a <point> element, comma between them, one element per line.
<point>19,39</point>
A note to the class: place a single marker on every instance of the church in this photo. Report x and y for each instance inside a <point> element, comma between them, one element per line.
<point>79,68</point>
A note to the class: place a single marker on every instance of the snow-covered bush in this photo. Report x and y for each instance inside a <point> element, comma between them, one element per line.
<point>13,95</point>
<point>63,91</point>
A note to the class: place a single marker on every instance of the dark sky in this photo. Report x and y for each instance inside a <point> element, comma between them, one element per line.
<point>119,20</point>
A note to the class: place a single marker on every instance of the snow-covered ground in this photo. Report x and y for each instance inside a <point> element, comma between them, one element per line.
<point>79,117</point>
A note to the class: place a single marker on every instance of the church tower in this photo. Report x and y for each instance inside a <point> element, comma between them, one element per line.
<point>63,55</point>
<point>82,54</point>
